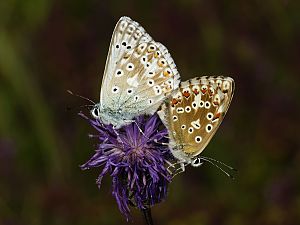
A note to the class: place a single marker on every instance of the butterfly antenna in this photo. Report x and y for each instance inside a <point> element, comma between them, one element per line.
<point>85,106</point>
<point>217,161</point>
<point>228,174</point>
<point>80,96</point>
<point>69,108</point>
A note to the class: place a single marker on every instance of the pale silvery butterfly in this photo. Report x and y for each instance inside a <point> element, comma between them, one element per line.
<point>139,74</point>
<point>193,114</point>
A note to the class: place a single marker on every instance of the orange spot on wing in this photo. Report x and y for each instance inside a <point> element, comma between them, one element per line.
<point>174,102</point>
<point>186,94</point>
<point>196,92</point>
<point>217,116</point>
<point>167,73</point>
<point>216,103</point>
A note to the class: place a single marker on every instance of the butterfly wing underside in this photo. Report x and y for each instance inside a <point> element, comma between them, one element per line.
<point>194,112</point>
<point>139,72</point>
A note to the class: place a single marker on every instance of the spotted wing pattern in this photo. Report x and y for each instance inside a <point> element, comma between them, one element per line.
<point>194,112</point>
<point>139,72</point>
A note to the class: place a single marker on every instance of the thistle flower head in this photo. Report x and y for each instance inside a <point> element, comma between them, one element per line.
<point>135,160</point>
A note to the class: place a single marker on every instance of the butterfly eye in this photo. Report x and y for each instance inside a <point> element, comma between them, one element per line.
<point>95,112</point>
<point>196,162</point>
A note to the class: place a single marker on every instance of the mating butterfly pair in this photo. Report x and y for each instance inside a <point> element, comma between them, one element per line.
<point>140,76</point>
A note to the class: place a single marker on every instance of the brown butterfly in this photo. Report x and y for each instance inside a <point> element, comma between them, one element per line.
<point>193,114</point>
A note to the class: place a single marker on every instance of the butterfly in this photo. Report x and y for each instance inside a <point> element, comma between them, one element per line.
<point>139,74</point>
<point>192,115</point>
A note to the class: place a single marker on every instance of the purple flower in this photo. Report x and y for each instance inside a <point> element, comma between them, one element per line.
<point>135,160</point>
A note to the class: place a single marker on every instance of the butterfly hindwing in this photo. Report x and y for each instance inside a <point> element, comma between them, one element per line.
<point>195,111</point>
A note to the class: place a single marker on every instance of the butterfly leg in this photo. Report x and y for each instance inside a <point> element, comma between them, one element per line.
<point>118,136</point>
<point>170,165</point>
<point>173,168</point>
<point>179,170</point>
<point>140,129</point>
<point>162,143</point>
<point>142,132</point>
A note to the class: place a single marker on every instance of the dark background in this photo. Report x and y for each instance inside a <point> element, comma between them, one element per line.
<point>47,47</point>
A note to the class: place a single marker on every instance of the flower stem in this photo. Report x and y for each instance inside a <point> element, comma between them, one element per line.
<point>148,216</point>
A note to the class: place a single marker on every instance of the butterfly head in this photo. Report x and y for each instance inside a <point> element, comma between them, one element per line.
<point>95,111</point>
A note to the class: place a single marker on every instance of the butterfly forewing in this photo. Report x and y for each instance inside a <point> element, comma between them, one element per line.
<point>139,73</point>
<point>194,112</point>
<point>126,35</point>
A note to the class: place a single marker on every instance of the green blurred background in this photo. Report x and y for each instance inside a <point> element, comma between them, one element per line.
<point>47,47</point>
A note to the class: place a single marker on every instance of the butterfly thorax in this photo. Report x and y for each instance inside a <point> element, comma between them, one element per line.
<point>178,151</point>
<point>107,116</point>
